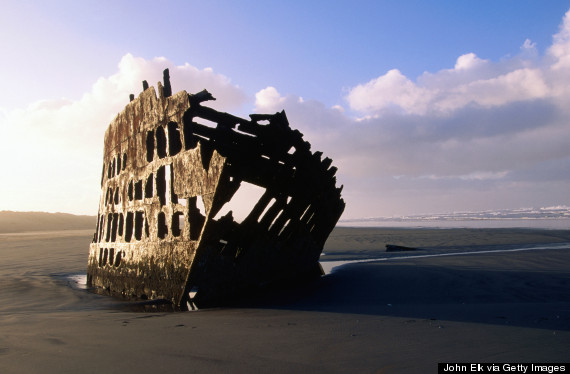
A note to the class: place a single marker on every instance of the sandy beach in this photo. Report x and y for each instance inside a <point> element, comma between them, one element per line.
<point>403,313</point>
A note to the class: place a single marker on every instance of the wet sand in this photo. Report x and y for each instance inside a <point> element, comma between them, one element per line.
<point>397,315</point>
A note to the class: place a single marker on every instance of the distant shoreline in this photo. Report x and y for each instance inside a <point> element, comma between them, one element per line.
<point>23,222</point>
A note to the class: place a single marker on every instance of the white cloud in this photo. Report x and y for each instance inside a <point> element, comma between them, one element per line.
<point>53,148</point>
<point>468,61</point>
<point>560,49</point>
<point>528,49</point>
<point>388,91</point>
<point>268,100</point>
<point>472,81</point>
<point>484,175</point>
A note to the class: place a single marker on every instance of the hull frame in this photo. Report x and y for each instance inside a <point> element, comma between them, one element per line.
<point>171,169</point>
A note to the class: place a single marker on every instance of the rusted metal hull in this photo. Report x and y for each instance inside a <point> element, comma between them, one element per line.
<point>170,167</point>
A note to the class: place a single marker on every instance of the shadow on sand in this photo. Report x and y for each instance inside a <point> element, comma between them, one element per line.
<point>526,290</point>
<point>493,294</point>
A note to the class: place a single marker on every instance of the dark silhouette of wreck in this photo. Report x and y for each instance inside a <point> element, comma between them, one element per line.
<point>166,177</point>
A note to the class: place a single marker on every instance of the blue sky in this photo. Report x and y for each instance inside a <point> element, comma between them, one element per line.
<point>425,107</point>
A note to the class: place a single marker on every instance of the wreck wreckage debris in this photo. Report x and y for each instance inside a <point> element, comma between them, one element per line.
<point>398,248</point>
<point>160,233</point>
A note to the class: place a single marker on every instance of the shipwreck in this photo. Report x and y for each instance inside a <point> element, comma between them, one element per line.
<point>171,168</point>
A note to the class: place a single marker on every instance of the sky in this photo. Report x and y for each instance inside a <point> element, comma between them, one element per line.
<point>424,107</point>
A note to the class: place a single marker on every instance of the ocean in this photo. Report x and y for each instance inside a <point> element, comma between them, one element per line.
<point>555,217</point>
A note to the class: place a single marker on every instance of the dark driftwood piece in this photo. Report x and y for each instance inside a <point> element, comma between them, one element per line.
<point>398,248</point>
<point>167,174</point>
